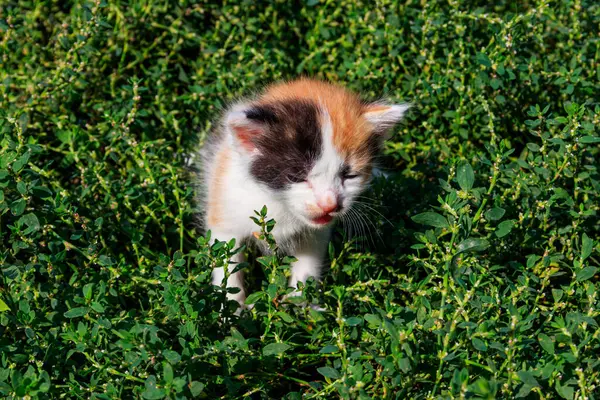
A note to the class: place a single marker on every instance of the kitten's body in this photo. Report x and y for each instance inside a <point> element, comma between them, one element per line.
<point>304,149</point>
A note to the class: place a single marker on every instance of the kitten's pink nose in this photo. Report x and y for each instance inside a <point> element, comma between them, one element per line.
<point>328,202</point>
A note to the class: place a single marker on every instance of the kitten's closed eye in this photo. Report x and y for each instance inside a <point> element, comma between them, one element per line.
<point>347,174</point>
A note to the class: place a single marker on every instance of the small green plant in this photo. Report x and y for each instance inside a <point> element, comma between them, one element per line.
<point>475,270</point>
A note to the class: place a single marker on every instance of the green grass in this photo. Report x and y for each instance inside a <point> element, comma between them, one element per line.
<point>479,277</point>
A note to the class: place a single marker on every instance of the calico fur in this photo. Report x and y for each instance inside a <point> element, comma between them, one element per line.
<point>305,149</point>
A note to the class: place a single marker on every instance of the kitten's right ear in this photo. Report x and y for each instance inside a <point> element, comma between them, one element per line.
<point>248,123</point>
<point>243,129</point>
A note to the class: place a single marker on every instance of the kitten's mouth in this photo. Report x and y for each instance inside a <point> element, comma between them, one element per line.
<point>323,219</point>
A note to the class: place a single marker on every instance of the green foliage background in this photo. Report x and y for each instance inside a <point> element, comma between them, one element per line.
<point>478,276</point>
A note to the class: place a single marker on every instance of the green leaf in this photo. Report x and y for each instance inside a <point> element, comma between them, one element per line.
<point>353,321</point>
<point>479,344</point>
<point>22,187</point>
<point>546,343</point>
<point>7,158</point>
<point>18,206</point>
<point>431,219</point>
<point>167,372</point>
<point>587,247</point>
<point>472,244</point>
<point>569,357</point>
<point>566,392</point>
<point>274,349</point>
<point>3,306</point>
<point>105,261</point>
<point>32,223</point>
<point>494,214</point>
<point>404,364</point>
<point>533,147</point>
<point>76,312</point>
<point>99,308</point>
<point>589,139</point>
<point>465,176</point>
<point>44,382</point>
<point>529,382</point>
<point>483,60</point>
<point>586,273</point>
<point>504,228</point>
<point>373,320</point>
<point>87,290</point>
<point>254,297</point>
<point>285,317</point>
<point>330,348</point>
<point>557,294</point>
<point>172,356</point>
<point>21,162</point>
<point>524,391</point>
<point>151,392</point>
<point>272,290</point>
<point>329,372</point>
<point>11,272</point>
<point>196,388</point>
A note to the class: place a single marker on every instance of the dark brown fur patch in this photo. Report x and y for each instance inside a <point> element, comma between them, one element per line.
<point>290,141</point>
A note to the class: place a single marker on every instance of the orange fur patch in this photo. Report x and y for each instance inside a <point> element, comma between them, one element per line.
<point>351,130</point>
<point>376,108</point>
<point>214,205</point>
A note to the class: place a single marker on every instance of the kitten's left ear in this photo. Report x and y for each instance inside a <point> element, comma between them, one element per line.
<point>384,116</point>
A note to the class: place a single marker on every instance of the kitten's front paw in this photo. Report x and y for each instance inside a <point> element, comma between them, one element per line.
<point>317,307</point>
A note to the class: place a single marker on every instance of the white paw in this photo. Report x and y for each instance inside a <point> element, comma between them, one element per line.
<point>317,307</point>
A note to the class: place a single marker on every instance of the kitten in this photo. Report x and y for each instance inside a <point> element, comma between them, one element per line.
<point>304,149</point>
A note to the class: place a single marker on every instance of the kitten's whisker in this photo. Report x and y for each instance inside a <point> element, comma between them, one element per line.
<point>367,224</point>
<point>356,229</point>
<point>371,200</point>
<point>353,226</point>
<point>371,209</point>
<point>343,219</point>
<point>361,228</point>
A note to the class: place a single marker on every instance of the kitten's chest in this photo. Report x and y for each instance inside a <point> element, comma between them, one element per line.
<point>245,198</point>
<point>287,227</point>
<point>288,242</point>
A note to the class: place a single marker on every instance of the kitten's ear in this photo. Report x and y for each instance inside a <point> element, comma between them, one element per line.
<point>245,128</point>
<point>384,116</point>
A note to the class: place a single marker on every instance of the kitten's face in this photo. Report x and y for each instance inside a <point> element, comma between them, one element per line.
<point>312,145</point>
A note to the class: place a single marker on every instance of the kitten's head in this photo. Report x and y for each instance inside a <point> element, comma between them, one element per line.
<point>312,144</point>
